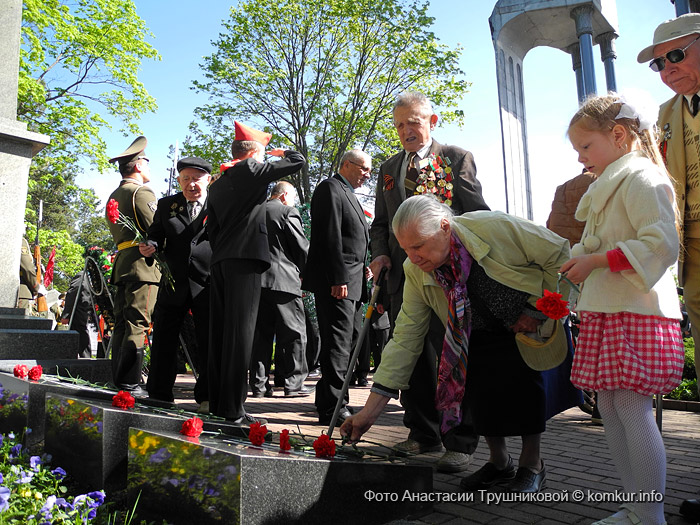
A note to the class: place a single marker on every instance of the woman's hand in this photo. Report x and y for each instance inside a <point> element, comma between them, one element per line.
<point>578,268</point>
<point>525,323</point>
<point>354,426</point>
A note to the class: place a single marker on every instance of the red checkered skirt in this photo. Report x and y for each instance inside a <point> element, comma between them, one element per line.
<point>622,350</point>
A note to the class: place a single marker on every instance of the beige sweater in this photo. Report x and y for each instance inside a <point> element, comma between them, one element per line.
<point>630,206</point>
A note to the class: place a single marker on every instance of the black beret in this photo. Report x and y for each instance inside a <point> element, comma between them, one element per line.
<point>194,162</point>
<point>132,152</point>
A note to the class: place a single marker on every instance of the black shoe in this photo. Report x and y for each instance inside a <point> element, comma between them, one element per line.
<point>528,481</point>
<point>488,476</point>
<point>314,374</point>
<point>362,381</point>
<point>302,392</point>
<point>344,413</point>
<point>690,509</point>
<point>246,420</point>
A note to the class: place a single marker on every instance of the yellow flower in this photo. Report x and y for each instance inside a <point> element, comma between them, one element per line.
<point>37,495</point>
<point>148,442</point>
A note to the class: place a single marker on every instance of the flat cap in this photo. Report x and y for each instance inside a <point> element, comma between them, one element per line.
<point>244,132</point>
<point>194,162</point>
<point>132,152</point>
<point>684,25</point>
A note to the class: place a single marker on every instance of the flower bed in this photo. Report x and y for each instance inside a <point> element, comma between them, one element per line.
<point>32,492</point>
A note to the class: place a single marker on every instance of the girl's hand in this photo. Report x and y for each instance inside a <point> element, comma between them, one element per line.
<point>578,268</point>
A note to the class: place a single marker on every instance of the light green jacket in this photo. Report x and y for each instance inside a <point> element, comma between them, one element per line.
<point>513,251</point>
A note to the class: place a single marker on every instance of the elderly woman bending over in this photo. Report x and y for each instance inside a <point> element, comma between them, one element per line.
<point>481,273</point>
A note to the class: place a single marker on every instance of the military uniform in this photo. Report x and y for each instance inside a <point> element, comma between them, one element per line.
<point>135,277</point>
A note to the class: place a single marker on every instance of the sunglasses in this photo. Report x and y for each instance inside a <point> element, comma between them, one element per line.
<point>674,56</point>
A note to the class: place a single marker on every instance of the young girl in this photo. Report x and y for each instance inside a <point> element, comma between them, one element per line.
<point>630,345</point>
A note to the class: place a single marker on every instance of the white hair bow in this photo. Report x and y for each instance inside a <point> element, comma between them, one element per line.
<point>638,104</point>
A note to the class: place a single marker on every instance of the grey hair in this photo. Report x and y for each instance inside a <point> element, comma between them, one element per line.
<point>354,155</point>
<point>424,213</point>
<point>414,99</point>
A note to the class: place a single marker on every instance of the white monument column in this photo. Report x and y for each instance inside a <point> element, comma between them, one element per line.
<point>518,26</point>
<point>17,147</point>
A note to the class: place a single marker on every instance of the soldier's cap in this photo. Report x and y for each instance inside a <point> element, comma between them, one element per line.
<point>244,132</point>
<point>684,25</point>
<point>194,162</point>
<point>132,152</point>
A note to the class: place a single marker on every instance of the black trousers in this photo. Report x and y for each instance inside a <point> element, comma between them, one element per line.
<point>168,318</point>
<point>235,295</point>
<point>280,319</point>
<point>339,322</point>
<point>420,415</point>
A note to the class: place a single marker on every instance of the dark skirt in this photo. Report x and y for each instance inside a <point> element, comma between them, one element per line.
<point>506,397</point>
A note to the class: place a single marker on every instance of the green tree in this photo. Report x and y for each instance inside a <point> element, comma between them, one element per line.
<point>322,76</point>
<point>79,61</point>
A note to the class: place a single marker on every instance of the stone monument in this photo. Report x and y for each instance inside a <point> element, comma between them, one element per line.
<point>17,147</point>
<point>520,25</point>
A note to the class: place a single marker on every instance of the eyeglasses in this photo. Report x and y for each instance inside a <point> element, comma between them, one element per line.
<point>363,169</point>
<point>674,56</point>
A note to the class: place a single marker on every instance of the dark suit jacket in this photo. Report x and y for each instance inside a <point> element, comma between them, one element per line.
<point>467,197</point>
<point>236,225</point>
<point>339,241</point>
<point>288,248</point>
<point>183,244</point>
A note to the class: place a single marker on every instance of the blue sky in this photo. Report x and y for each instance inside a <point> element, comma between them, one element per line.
<point>183,36</point>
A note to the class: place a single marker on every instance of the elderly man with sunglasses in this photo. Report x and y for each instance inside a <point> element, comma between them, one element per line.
<point>675,54</point>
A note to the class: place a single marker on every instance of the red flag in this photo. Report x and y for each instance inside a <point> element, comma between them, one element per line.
<point>48,273</point>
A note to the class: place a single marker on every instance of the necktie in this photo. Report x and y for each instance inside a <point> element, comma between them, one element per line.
<point>695,104</point>
<point>194,209</point>
<point>411,175</point>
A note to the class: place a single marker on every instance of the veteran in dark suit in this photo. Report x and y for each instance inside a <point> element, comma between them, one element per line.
<point>240,254</point>
<point>414,120</point>
<point>178,233</point>
<point>336,273</point>
<point>135,277</point>
<point>281,311</point>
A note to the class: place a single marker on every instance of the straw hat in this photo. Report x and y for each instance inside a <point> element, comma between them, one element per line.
<point>684,25</point>
<point>545,349</point>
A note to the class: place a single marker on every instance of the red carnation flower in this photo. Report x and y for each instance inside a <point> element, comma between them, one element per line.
<point>192,427</point>
<point>21,371</point>
<point>257,433</point>
<point>324,447</point>
<point>113,211</point>
<point>552,305</point>
<point>35,372</point>
<point>123,400</point>
<point>284,440</point>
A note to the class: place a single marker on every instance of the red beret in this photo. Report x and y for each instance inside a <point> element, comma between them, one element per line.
<point>244,132</point>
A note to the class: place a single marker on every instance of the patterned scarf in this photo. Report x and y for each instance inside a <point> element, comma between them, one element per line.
<point>455,348</point>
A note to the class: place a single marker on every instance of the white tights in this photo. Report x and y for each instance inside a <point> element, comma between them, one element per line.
<point>636,446</point>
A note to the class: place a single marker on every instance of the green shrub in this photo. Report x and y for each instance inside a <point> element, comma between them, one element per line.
<point>686,391</point>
